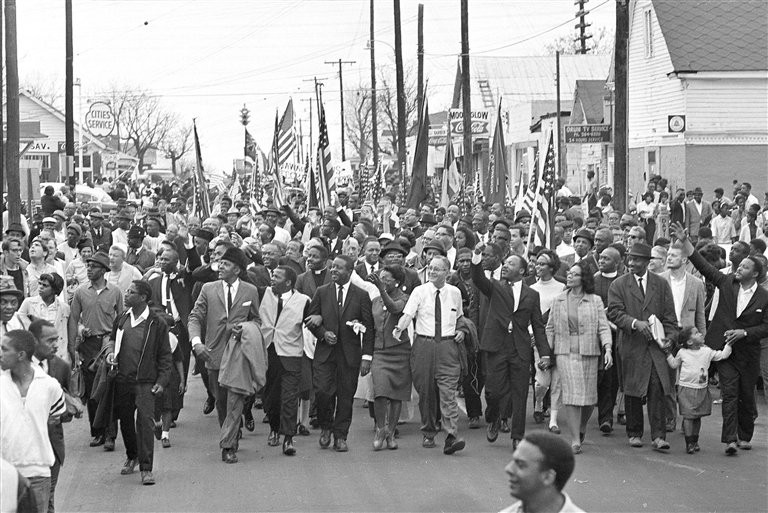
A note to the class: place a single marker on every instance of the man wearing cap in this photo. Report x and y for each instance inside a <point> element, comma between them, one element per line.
<point>121,273</point>
<point>120,234</point>
<point>394,253</point>
<point>632,299</point>
<point>698,213</point>
<point>95,306</point>
<point>102,237</point>
<point>153,237</point>
<point>583,242</point>
<point>271,215</point>
<point>59,230</point>
<point>69,246</point>
<point>429,252</point>
<point>221,308</point>
<point>10,301</point>
<point>138,255</point>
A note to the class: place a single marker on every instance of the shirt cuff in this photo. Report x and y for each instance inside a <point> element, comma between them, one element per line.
<point>634,321</point>
<point>476,259</point>
<point>196,342</point>
<point>367,358</point>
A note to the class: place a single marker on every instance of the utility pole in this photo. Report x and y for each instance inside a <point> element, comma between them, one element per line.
<point>374,105</point>
<point>401,128</point>
<point>315,81</point>
<point>420,56</point>
<point>69,103</point>
<point>582,26</point>
<point>620,106</point>
<point>2,119</point>
<point>558,125</point>
<point>341,98</point>
<point>12,106</point>
<point>466,94</point>
<point>310,100</point>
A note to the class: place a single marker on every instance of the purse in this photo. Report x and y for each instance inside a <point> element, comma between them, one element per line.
<point>77,381</point>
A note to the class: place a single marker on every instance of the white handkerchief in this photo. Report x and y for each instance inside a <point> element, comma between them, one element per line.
<point>247,303</point>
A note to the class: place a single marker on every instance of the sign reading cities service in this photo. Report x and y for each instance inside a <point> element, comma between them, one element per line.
<point>99,119</point>
<point>481,123</point>
<point>587,134</point>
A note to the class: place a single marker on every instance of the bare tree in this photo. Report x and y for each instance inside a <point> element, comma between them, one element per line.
<point>387,105</point>
<point>177,144</point>
<point>47,89</point>
<point>601,43</point>
<point>358,121</point>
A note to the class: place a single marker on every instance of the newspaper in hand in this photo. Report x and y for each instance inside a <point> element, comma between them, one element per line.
<point>657,329</point>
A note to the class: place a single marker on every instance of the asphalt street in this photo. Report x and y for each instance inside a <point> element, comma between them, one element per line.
<point>610,476</point>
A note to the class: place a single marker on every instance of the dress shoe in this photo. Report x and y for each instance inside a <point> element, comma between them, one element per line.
<point>504,428</point>
<point>274,439</point>
<point>109,444</point>
<point>515,443</point>
<point>288,448</point>
<point>390,440</point>
<point>340,445</point>
<point>474,422</point>
<point>129,466</point>
<point>690,448</point>
<point>302,430</point>
<point>659,444</point>
<point>166,443</point>
<point>378,439</point>
<point>696,447</point>
<point>97,441</point>
<point>621,419</point>
<point>147,478</point>
<point>173,424</point>
<point>743,445</point>
<point>670,426</point>
<point>325,438</point>
<point>230,456</point>
<point>606,428</point>
<point>554,429</point>
<point>158,429</point>
<point>538,417</point>
<point>576,448</point>
<point>730,449</point>
<point>250,425</point>
<point>453,444</point>
<point>314,423</point>
<point>428,442</point>
<point>224,455</point>
<point>634,441</point>
<point>492,431</point>
<point>209,405</point>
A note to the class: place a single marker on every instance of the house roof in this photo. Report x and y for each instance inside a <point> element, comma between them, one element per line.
<point>589,98</point>
<point>525,79</point>
<point>713,35</point>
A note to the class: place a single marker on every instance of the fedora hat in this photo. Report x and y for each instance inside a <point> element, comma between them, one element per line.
<point>585,234</point>
<point>640,250</point>
<point>428,220</point>
<point>7,286</point>
<point>136,232</point>
<point>393,246</point>
<point>100,258</point>
<point>237,257</point>
<point>435,246</point>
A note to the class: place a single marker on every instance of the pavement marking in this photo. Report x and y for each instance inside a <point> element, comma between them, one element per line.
<point>676,465</point>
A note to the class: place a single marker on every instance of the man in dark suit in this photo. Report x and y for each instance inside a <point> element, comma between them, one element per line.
<point>317,273</point>
<point>370,263</point>
<point>677,207</point>
<point>632,299</point>
<point>101,235</point>
<point>338,355</point>
<point>741,318</point>
<point>583,242</point>
<point>330,229</point>
<point>505,342</point>
<point>46,338</point>
<point>138,255</point>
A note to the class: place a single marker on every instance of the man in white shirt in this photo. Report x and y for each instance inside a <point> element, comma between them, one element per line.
<point>29,397</point>
<point>436,306</point>
<point>271,215</point>
<point>723,231</point>
<point>444,235</point>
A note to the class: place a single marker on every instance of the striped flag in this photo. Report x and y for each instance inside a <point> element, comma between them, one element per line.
<point>201,204</point>
<point>312,196</point>
<point>529,198</point>
<point>256,158</point>
<point>275,175</point>
<point>285,136</point>
<point>451,184</point>
<point>326,179</point>
<point>544,199</point>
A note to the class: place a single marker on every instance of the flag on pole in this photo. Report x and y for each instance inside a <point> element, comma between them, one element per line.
<point>285,136</point>
<point>256,158</point>
<point>312,197</point>
<point>497,165</point>
<point>326,180</point>
<point>544,199</point>
<point>418,192</point>
<point>451,183</point>
<point>520,196</point>
<point>201,205</point>
<point>275,175</point>
<point>529,199</point>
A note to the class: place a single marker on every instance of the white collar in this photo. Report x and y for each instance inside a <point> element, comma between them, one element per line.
<point>610,275</point>
<point>750,290</point>
<point>286,295</point>
<point>643,277</point>
<point>135,321</point>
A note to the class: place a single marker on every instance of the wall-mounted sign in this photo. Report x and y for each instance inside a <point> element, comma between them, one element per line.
<point>481,123</point>
<point>587,134</point>
<point>99,119</point>
<point>438,135</point>
<point>676,123</point>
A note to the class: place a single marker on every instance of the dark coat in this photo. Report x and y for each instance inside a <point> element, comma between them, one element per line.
<point>305,283</point>
<point>495,327</point>
<point>143,261</point>
<point>50,204</point>
<point>181,288</point>
<point>104,241</point>
<point>638,354</point>
<point>357,306</point>
<point>156,359</point>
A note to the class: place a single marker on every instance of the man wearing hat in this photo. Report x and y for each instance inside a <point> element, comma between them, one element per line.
<point>583,242</point>
<point>233,301</point>
<point>698,213</point>
<point>393,253</point>
<point>95,305</point>
<point>69,247</point>
<point>120,234</point>
<point>429,252</point>
<point>202,239</point>
<point>101,235</point>
<point>10,300</point>
<point>632,299</point>
<point>139,256</point>
<point>427,221</point>
<point>153,237</point>
<point>271,216</point>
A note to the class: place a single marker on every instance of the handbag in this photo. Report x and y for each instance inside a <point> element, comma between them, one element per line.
<point>94,364</point>
<point>77,381</point>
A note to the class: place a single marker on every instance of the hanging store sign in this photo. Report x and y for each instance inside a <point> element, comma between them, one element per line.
<point>587,134</point>
<point>480,120</point>
<point>99,119</point>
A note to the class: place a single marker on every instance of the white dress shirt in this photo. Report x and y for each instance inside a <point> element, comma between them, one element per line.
<point>745,295</point>
<point>678,295</point>
<point>225,286</point>
<point>421,307</point>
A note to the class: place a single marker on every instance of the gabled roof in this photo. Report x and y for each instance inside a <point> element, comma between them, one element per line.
<point>715,35</point>
<point>588,98</point>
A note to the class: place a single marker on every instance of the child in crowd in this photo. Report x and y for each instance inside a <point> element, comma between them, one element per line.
<point>693,359</point>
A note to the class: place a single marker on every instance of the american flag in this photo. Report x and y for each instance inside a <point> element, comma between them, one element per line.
<point>544,199</point>
<point>529,198</point>
<point>285,137</point>
<point>326,179</point>
<point>201,203</point>
<point>256,158</point>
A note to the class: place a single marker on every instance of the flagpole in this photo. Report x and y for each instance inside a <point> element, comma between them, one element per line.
<point>535,208</point>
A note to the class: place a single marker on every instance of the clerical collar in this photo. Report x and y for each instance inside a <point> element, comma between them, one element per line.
<point>610,275</point>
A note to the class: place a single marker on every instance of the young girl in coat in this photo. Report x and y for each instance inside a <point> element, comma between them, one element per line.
<point>693,396</point>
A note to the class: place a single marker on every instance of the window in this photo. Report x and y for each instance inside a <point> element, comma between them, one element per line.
<point>648,32</point>
<point>44,157</point>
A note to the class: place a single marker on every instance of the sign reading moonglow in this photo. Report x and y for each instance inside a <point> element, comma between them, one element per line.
<point>99,120</point>
<point>481,123</point>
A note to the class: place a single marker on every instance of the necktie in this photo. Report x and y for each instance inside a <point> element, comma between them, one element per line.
<point>279,307</point>
<point>438,316</point>
<point>168,307</point>
<point>229,298</point>
<point>341,297</point>
<point>640,284</point>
